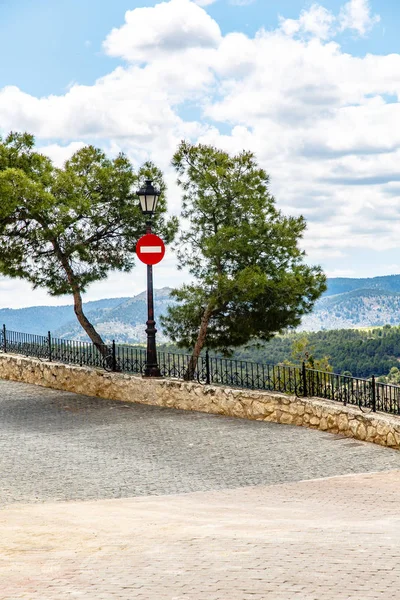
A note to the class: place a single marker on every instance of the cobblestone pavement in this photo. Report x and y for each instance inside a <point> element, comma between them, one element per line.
<point>222,511</point>
<point>329,539</point>
<point>59,446</point>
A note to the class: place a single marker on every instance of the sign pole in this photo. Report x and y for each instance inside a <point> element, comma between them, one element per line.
<point>152,368</point>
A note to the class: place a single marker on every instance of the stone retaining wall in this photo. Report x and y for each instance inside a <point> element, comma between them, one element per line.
<point>265,406</point>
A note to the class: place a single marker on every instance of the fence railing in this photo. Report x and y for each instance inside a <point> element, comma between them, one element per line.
<point>367,394</point>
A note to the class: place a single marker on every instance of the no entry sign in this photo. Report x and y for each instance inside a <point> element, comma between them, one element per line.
<point>150,249</point>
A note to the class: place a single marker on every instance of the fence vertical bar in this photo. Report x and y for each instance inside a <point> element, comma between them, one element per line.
<point>4,338</point>
<point>114,358</point>
<point>49,342</point>
<point>304,375</point>
<point>208,378</point>
<point>373,393</point>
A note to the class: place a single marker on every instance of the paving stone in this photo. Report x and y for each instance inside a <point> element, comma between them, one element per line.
<point>56,445</point>
<point>101,501</point>
<point>331,538</point>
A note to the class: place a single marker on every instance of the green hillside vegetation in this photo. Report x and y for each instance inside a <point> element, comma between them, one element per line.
<point>363,353</point>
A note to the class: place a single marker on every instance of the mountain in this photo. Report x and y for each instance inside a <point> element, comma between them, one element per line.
<point>341,285</point>
<point>348,303</point>
<point>368,307</point>
<point>352,303</point>
<point>41,319</point>
<point>124,322</point>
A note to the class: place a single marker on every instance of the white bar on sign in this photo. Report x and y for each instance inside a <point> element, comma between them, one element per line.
<point>150,249</point>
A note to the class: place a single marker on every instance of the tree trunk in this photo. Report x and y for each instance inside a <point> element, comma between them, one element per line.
<point>84,321</point>
<point>201,338</point>
<point>97,340</point>
<point>80,315</point>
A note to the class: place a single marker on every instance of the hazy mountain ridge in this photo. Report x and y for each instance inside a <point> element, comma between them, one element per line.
<point>347,304</point>
<point>369,306</point>
<point>341,285</point>
<point>124,322</point>
<point>41,319</point>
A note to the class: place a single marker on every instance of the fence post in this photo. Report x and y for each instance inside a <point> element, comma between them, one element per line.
<point>304,375</point>
<point>208,379</point>
<point>49,342</point>
<point>373,393</point>
<point>114,357</point>
<point>4,339</point>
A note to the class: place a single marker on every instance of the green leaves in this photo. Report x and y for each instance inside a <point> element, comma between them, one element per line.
<point>249,272</point>
<point>62,229</point>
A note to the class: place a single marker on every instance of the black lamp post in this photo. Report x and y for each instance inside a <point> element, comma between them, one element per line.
<point>148,197</point>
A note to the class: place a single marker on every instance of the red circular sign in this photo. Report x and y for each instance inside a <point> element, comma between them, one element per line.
<point>150,249</point>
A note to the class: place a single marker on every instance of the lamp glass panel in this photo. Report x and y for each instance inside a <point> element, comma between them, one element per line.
<point>151,201</point>
<point>142,199</point>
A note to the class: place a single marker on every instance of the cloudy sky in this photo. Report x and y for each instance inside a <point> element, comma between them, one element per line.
<point>312,88</point>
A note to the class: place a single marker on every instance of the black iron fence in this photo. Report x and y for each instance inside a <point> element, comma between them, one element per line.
<point>367,394</point>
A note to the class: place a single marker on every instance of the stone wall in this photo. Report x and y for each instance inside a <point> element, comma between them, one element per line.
<point>265,406</point>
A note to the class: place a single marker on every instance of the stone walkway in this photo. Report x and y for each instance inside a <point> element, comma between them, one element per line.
<point>313,540</point>
<point>102,501</point>
<point>60,446</point>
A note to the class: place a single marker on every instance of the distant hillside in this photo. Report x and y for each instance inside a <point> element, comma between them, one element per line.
<point>341,285</point>
<point>124,322</point>
<point>347,304</point>
<point>41,319</point>
<point>369,307</point>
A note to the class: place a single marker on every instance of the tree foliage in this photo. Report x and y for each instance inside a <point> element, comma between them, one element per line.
<point>64,228</point>
<point>250,279</point>
<point>304,352</point>
<point>393,377</point>
<point>359,352</point>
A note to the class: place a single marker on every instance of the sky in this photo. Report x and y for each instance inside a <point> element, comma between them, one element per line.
<point>312,88</point>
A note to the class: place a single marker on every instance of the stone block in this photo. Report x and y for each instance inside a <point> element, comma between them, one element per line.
<point>342,422</point>
<point>260,409</point>
<point>381,428</point>
<point>323,424</point>
<point>331,422</point>
<point>286,418</point>
<point>300,408</point>
<point>361,431</point>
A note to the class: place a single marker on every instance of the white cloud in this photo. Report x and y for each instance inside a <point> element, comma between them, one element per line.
<point>60,154</point>
<point>325,124</point>
<point>356,14</point>
<point>319,22</point>
<point>316,21</point>
<point>205,2</point>
<point>170,27</point>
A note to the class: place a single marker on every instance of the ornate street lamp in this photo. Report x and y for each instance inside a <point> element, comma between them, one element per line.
<point>148,197</point>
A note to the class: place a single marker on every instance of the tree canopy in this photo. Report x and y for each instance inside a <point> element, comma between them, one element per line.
<point>303,352</point>
<point>250,280</point>
<point>64,228</point>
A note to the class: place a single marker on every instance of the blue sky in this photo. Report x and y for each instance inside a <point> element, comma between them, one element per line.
<point>49,44</point>
<point>315,95</point>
